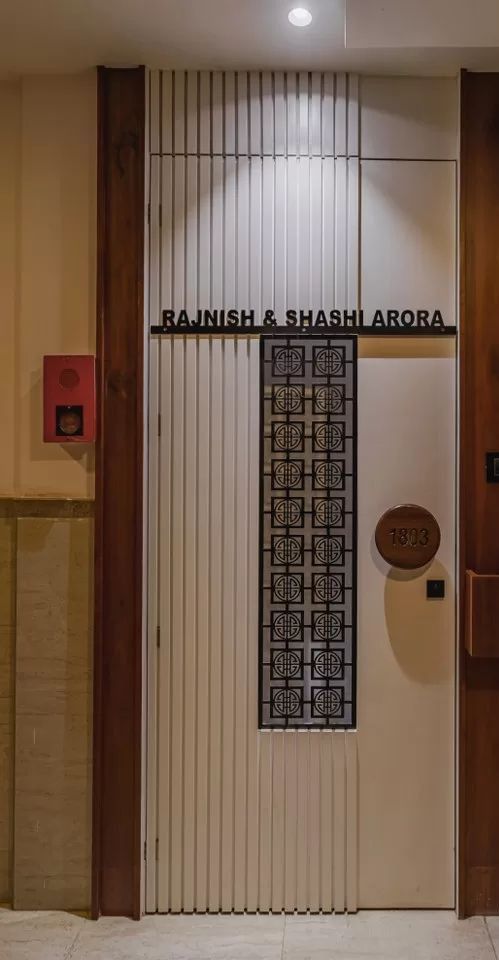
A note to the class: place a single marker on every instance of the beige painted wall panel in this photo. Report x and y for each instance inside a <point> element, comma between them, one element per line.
<point>406,652</point>
<point>408,236</point>
<point>47,264</point>
<point>10,155</point>
<point>52,839</point>
<point>7,647</point>
<point>56,266</point>
<point>413,118</point>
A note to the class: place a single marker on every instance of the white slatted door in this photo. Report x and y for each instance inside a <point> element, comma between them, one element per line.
<point>247,819</point>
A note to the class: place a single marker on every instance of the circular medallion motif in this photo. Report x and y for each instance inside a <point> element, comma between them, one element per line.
<point>287,588</point>
<point>328,664</point>
<point>286,665</point>
<point>327,703</point>
<point>286,626</point>
<point>287,513</point>
<point>287,473</point>
<point>287,398</point>
<point>285,703</point>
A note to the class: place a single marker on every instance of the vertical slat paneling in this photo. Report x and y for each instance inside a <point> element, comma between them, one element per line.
<point>217,112</point>
<point>280,236</point>
<point>242,114</point>
<point>252,805</point>
<point>341,233</point>
<point>328,115</point>
<point>216,594</point>
<point>255,250</point>
<point>230,114</point>
<point>268,232</point>
<point>292,145</point>
<point>292,230</point>
<point>190,693</point>
<point>340,116</point>
<point>328,232</point>
<point>265,860</point>
<point>246,820</point>
<point>326,824</point>
<point>351,822</point>
<point>154,537</point>
<point>352,229</point>
<point>204,112</point>
<point>154,112</point>
<point>164,819</point>
<point>192,112</point>
<point>166,259</point>
<point>314,821</point>
<point>228,622</point>
<point>353,117</point>
<point>267,114</point>
<point>339,823</point>
<point>179,111</point>
<point>315,230</point>
<point>217,230</point>
<point>243,225</point>
<point>303,297</point>
<point>230,220</point>
<point>279,115</point>
<point>241,627</point>
<point>203,644</point>
<point>303,115</point>
<point>290,836</point>
<point>278,821</point>
<point>302,820</point>
<point>167,113</point>
<point>315,115</point>
<point>255,114</point>
<point>176,691</point>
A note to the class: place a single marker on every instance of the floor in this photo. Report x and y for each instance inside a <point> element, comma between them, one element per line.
<point>395,935</point>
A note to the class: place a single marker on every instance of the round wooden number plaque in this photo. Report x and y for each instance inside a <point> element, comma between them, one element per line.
<point>407,536</point>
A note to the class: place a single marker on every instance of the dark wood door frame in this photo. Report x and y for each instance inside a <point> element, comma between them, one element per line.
<point>116,855</point>
<point>478,887</point>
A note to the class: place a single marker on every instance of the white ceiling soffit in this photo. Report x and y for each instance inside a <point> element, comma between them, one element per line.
<point>422,23</point>
<point>382,36</point>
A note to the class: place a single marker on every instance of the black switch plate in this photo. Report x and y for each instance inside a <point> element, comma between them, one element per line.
<point>492,467</point>
<point>435,589</point>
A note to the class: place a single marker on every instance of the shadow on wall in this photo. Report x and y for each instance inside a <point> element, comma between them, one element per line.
<point>418,628</point>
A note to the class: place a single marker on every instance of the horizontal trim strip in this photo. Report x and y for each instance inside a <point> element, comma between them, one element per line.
<point>58,508</point>
<point>280,331</point>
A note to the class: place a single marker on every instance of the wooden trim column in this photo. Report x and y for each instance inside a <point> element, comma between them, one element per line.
<point>116,864</point>
<point>479,397</point>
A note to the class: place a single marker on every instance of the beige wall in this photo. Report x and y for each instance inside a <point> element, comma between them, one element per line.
<point>47,269</point>
<point>47,305</point>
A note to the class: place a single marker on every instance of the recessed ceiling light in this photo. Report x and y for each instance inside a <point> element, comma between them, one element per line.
<point>300,17</point>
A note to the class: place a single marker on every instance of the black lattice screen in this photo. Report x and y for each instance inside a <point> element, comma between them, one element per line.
<point>308,531</point>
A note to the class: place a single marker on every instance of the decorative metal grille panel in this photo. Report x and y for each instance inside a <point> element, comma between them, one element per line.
<point>308,531</point>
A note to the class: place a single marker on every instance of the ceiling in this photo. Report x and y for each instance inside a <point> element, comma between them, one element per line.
<point>382,36</point>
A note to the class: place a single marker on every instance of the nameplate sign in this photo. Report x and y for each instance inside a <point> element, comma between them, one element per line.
<point>407,536</point>
<point>410,319</point>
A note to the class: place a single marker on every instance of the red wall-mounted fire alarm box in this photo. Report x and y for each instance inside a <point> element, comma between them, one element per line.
<point>69,399</point>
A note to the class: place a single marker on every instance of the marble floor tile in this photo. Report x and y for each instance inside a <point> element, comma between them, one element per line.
<point>387,935</point>
<point>37,935</point>
<point>377,935</point>
<point>182,938</point>
<point>493,930</point>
